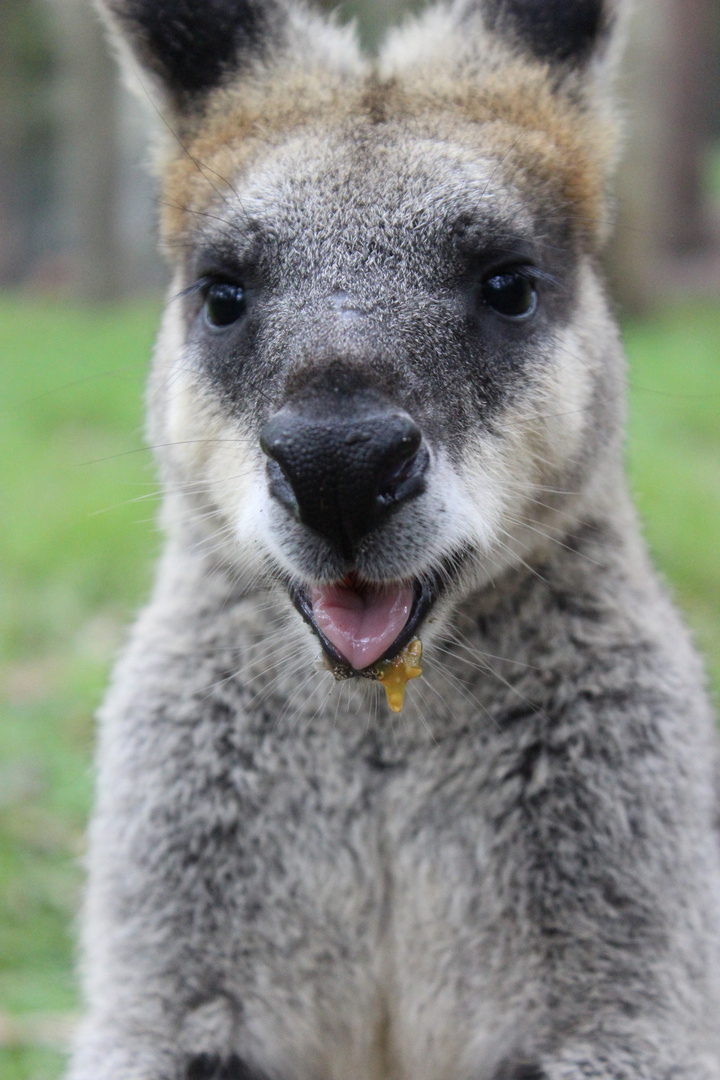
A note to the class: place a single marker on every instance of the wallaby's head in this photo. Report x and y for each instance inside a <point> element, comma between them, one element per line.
<point>387,372</point>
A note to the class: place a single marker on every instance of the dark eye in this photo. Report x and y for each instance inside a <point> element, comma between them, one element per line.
<point>224,303</point>
<point>511,293</point>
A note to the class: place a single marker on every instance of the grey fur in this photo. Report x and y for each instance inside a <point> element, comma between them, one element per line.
<point>519,877</point>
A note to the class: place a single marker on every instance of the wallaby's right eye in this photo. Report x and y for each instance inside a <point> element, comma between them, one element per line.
<point>224,304</point>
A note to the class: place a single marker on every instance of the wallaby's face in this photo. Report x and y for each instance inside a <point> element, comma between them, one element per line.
<point>386,371</point>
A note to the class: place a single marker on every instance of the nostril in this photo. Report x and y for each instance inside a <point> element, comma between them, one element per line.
<point>405,478</point>
<point>281,488</point>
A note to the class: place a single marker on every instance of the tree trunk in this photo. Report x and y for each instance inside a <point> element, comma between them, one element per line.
<point>89,165</point>
<point>692,29</point>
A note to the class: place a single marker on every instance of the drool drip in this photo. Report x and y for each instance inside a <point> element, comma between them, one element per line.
<point>395,674</point>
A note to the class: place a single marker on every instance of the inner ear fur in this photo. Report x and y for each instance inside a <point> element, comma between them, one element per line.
<point>565,32</point>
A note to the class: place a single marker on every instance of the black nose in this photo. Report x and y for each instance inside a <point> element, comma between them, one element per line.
<point>342,472</point>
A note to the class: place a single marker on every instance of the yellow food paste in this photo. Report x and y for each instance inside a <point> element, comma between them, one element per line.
<point>395,674</point>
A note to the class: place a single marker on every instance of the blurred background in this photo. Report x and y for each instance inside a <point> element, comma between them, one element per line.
<point>80,294</point>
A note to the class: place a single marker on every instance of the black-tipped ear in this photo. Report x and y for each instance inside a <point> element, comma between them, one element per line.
<point>560,31</point>
<point>189,45</point>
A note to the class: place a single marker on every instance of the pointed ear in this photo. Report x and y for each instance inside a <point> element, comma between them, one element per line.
<point>186,45</point>
<point>189,47</point>
<point>579,39</point>
<point>566,32</point>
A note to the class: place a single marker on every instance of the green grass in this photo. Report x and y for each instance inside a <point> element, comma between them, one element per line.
<point>674,457</point>
<point>75,552</point>
<point>76,549</point>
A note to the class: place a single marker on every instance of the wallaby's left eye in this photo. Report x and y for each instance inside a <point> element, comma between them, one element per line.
<point>224,303</point>
<point>511,293</point>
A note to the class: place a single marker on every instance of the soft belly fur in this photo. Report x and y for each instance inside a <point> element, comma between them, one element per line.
<point>388,381</point>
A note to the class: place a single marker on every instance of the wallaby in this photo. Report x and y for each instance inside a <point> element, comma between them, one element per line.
<point>388,406</point>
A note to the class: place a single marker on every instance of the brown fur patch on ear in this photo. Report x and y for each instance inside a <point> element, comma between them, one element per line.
<point>543,139</point>
<point>540,135</point>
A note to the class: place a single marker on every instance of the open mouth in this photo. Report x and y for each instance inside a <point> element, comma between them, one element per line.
<point>361,625</point>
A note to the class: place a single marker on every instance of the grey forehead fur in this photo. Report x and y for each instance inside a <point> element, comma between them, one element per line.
<point>519,877</point>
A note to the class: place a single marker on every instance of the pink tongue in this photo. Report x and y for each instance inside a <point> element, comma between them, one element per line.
<point>361,625</point>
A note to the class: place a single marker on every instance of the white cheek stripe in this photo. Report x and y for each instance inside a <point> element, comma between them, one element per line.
<point>472,506</point>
